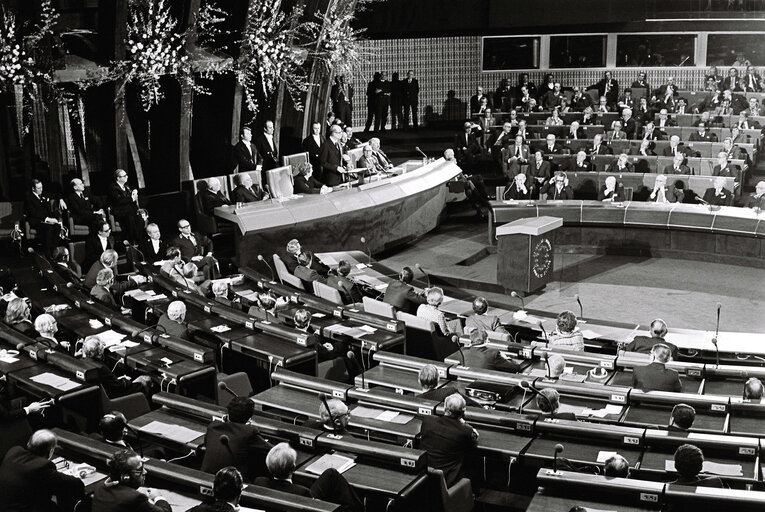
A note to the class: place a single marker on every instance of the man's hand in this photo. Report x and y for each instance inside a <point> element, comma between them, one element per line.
<point>196,258</point>
<point>138,279</point>
<point>143,380</point>
<point>328,346</point>
<point>325,189</point>
<point>38,406</point>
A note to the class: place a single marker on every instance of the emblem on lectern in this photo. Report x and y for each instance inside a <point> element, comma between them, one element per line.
<point>541,258</point>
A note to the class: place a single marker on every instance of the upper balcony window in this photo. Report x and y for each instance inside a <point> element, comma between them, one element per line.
<point>504,53</point>
<point>577,51</point>
<point>655,50</point>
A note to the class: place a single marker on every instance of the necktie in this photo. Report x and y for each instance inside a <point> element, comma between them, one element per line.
<point>661,197</point>
<point>677,170</point>
<point>518,152</point>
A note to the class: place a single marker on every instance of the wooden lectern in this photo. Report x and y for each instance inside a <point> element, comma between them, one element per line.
<point>525,253</point>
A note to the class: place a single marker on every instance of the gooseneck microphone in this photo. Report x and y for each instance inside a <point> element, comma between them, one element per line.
<point>581,308</point>
<point>456,339</point>
<point>135,248</point>
<point>547,365</point>
<point>350,355</point>
<point>544,331</point>
<point>261,258</point>
<point>146,329</point>
<point>224,387</point>
<point>363,241</point>
<point>137,438</point>
<point>519,297</point>
<point>558,449</point>
<point>717,332</point>
<point>417,148</point>
<point>419,267</point>
<point>527,385</point>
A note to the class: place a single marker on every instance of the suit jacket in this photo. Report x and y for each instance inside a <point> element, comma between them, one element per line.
<point>246,160</point>
<point>655,377</point>
<point>644,344</point>
<point>121,201</point>
<point>729,171</point>
<point>584,167</point>
<point>283,485</point>
<point>475,103</point>
<point>403,297</point>
<point>241,194</point>
<point>512,192</point>
<point>368,163</point>
<point>149,254</point>
<point>187,247</point>
<point>512,150</point>
<point>80,208</point>
<point>447,441</point>
<point>246,449</point>
<point>733,83</point>
<point>654,135</point>
<point>552,192</point>
<point>114,497</point>
<point>309,146</point>
<point>113,386</point>
<point>618,193</point>
<point>29,482</point>
<point>557,149</point>
<point>268,155</point>
<point>681,148</point>
<point>94,249</point>
<point>312,262</point>
<point>173,328</point>
<point>724,199</point>
<point>543,171</point>
<point>684,169</point>
<point>330,158</point>
<point>603,149</point>
<point>303,185</point>
<point>348,289</point>
<point>101,294</point>
<point>211,200</point>
<point>707,137</point>
<point>36,208</point>
<point>489,359</point>
<point>754,202</point>
<point>410,91</point>
<point>751,83</point>
<point>701,481</point>
<point>212,505</point>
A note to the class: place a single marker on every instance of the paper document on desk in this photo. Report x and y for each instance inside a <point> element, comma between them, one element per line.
<point>329,460</point>
<point>573,377</point>
<point>395,417</point>
<point>712,467</point>
<point>570,408</point>
<point>368,328</point>
<point>156,297</point>
<point>604,456</point>
<point>54,381</point>
<point>328,260</point>
<point>5,358</point>
<point>174,432</point>
<point>110,337</point>
<point>602,413</point>
<point>589,334</point>
<point>537,372</point>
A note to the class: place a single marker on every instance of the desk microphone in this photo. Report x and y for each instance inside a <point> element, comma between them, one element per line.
<point>518,296</point>
<point>581,308</point>
<point>350,355</point>
<point>456,339</point>
<point>261,258</point>
<point>525,386</point>
<point>135,248</point>
<point>363,240</point>
<point>420,152</point>
<point>717,331</point>
<point>224,387</point>
<point>146,329</point>
<point>558,449</point>
<point>547,364</point>
<point>137,438</point>
<point>419,267</point>
<point>536,392</point>
<point>544,331</point>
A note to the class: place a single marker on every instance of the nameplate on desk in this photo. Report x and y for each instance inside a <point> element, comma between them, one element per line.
<point>442,373</point>
<point>90,302</point>
<point>301,340</point>
<point>525,427</point>
<point>80,374</point>
<point>55,288</point>
<point>207,308</point>
<point>631,440</point>
<point>693,372</point>
<point>609,365</point>
<point>337,393</point>
<point>746,450</point>
<point>217,418</point>
<point>362,390</point>
<point>408,463</point>
<point>425,411</point>
<point>390,326</point>
<point>334,436</point>
<point>108,321</point>
<point>77,304</point>
<point>307,441</point>
<point>147,338</point>
<point>719,407</point>
<point>205,491</point>
<point>526,353</point>
<point>294,299</point>
<point>249,323</point>
<point>649,497</point>
<point>33,355</point>
<point>198,357</point>
<point>618,398</point>
<point>174,293</point>
<point>399,391</point>
<point>338,313</point>
<point>163,335</point>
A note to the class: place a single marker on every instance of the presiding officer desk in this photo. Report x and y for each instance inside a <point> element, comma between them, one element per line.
<point>387,212</point>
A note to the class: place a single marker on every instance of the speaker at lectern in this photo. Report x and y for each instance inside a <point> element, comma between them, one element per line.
<point>525,253</point>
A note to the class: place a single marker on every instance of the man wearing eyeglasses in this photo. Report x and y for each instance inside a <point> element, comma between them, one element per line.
<point>120,490</point>
<point>97,242</point>
<point>197,249</point>
<point>123,202</point>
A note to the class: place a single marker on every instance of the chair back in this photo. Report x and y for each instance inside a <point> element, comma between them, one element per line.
<point>77,253</point>
<point>326,292</point>
<point>295,160</point>
<point>233,181</point>
<point>377,307</point>
<point>458,497</point>
<point>279,181</point>
<point>238,382</point>
<point>284,275</point>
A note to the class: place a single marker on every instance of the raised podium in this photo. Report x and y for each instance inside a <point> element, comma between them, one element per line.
<point>525,253</point>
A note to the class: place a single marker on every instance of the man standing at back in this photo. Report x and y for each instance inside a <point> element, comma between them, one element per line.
<point>410,90</point>
<point>447,439</point>
<point>655,376</point>
<point>266,147</point>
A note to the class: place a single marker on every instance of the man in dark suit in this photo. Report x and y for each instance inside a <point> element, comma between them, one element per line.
<point>244,153</point>
<point>227,490</point>
<point>517,189</point>
<point>119,492</point>
<point>351,142</point>
<point>28,478</point>
<point>517,155</point>
<point>558,188</point>
<point>348,289</point>
<point>475,100</point>
<point>312,145</point>
<point>369,162</point>
<point>265,145</point>
<point>235,443</point>
<point>448,439</point>
<point>718,195</point>
<point>196,248</point>
<point>551,146</point>
<point>410,93</point>
<point>756,199</point>
<point>654,376</point>
<point>466,144</point>
<point>41,217</point>
<point>725,169</point>
<point>677,166</point>
<point>173,321</point>
<point>401,295</point>
<point>675,147</point>
<point>93,351</point>
<point>689,462</point>
<point>342,99</point>
<point>599,147</point>
<point>213,197</point>
<point>579,163</point>
<point>682,418</point>
<point>97,242</point>
<point>548,401</point>
<point>296,255</point>
<point>152,247</point>
<point>539,172</point>
<point>607,87</point>
<point>331,158</point>
<point>101,291</point>
<point>245,191</point>
<point>478,355</point>
<point>123,202</point>
<point>702,135</point>
<point>81,208</point>
<point>644,344</point>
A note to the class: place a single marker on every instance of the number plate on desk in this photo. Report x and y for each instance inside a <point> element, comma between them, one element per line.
<point>525,427</point>
<point>147,338</point>
<point>442,373</point>
<point>337,393</point>
<point>205,491</point>
<point>694,373</point>
<point>651,498</point>
<point>425,411</point>
<point>198,357</point>
<point>249,323</point>
<point>744,450</point>
<point>609,365</point>
<point>390,327</point>
<point>80,374</point>
<point>618,398</point>
<point>338,313</point>
<point>408,463</point>
<point>108,321</point>
<point>302,340</point>
<point>207,309</point>
<point>719,407</point>
<point>631,440</point>
<point>305,441</point>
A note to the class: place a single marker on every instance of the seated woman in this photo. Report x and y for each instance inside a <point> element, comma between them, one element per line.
<point>430,311</point>
<point>17,316</point>
<point>567,335</point>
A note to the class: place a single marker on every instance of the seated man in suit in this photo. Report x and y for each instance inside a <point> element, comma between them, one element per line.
<point>428,379</point>
<point>29,478</point>
<point>296,256</point>
<point>689,462</point>
<point>644,344</point>
<point>466,144</point>
<point>64,265</point>
<point>702,135</point>
<point>558,188</point>
<point>305,183</point>
<point>112,428</point>
<point>367,164</point>
<point>622,165</point>
<point>331,486</point>
<point>101,291</point>
<point>99,240</point>
<point>655,376</point>
<point>579,163</point>
<point>548,401</point>
<point>718,195</point>
<point>115,387</point>
<point>41,217</point>
<point>677,166</point>
<point>616,466</point>
<point>234,442</point>
<point>226,492</point>
<point>349,290</point>
<point>650,132</point>
<point>429,311</point>
<point>81,208</point>
<point>448,439</point>
<point>245,191</point>
<point>478,355</point>
<point>599,147</point>
<point>675,147</point>
<point>753,389</point>
<point>327,350</point>
<point>682,418</point>
<point>197,249</point>
<point>555,365</point>
<point>222,294</point>
<point>481,320</point>
<point>401,295</point>
<point>334,416</point>
<point>518,155</point>
<point>756,199</point>
<point>518,190</point>
<point>47,327</point>
<point>172,322</point>
<point>539,173</point>
<point>661,193</point>
<point>551,146</point>
<point>616,132</point>
<point>212,197</point>
<point>17,315</point>
<point>119,491</point>
<point>611,191</point>
<point>152,247</point>
<point>646,149</point>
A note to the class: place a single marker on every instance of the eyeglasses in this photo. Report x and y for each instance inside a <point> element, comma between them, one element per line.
<point>185,226</point>
<point>122,175</point>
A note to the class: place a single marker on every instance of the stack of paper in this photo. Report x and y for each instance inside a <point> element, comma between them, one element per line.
<point>110,337</point>
<point>54,381</point>
<point>711,467</point>
<point>388,416</point>
<point>602,413</point>
<point>328,460</point>
<point>174,432</point>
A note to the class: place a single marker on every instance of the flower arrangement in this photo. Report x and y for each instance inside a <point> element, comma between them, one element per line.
<point>339,50</point>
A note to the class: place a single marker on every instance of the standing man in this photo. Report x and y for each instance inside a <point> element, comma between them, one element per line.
<point>312,145</point>
<point>382,90</point>
<point>266,147</point>
<point>331,158</point>
<point>123,202</point>
<point>342,100</point>
<point>372,101</point>
<point>245,155</point>
<point>396,114</point>
<point>410,93</point>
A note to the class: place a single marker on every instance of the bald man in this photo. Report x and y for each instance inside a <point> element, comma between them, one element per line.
<point>481,320</point>
<point>213,197</point>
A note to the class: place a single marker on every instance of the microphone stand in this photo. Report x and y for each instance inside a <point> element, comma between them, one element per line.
<point>581,308</point>
<point>137,438</point>
<point>369,252</point>
<point>717,332</point>
<point>547,365</point>
<point>419,267</point>
<point>456,340</point>
<point>261,258</point>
